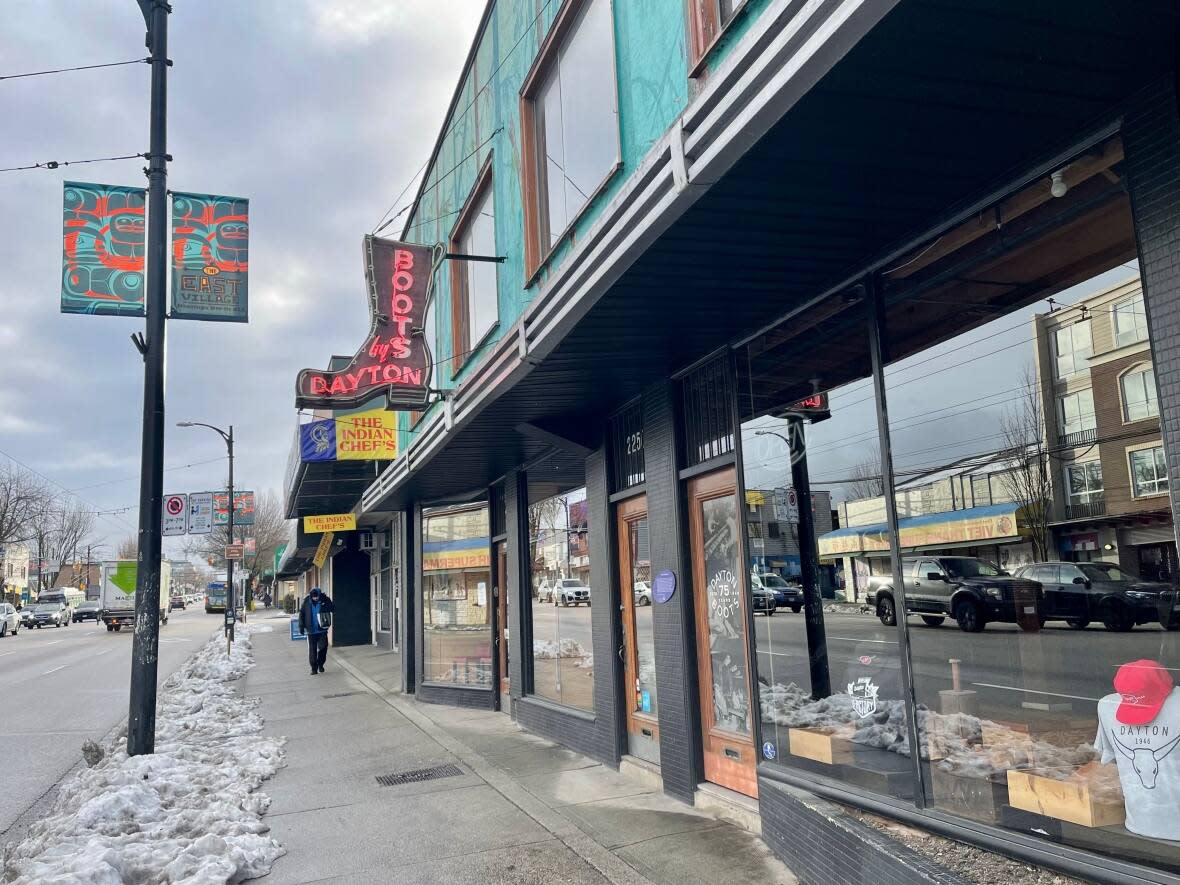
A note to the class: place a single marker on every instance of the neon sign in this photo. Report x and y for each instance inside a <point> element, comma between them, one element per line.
<point>394,358</point>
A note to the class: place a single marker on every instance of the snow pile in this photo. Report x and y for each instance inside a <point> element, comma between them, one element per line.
<point>190,813</point>
<point>545,649</point>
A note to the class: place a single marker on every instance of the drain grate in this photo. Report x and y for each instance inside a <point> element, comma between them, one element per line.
<point>343,694</point>
<point>421,774</point>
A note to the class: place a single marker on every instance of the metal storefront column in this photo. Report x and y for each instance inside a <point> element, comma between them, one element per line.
<point>1151,143</point>
<point>877,337</point>
<point>674,634</point>
<point>817,640</point>
<point>520,628</point>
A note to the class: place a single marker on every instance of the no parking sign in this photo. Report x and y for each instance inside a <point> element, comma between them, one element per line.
<point>175,514</point>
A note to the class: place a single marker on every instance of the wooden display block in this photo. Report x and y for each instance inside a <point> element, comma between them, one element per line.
<point>1065,800</point>
<point>979,798</point>
<point>819,747</point>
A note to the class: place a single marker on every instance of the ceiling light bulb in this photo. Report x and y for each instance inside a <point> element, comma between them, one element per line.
<point>1058,188</point>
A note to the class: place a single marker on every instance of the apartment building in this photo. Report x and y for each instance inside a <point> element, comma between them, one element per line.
<point>1106,454</point>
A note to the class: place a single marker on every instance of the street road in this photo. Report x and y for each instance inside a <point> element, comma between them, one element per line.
<point>61,686</point>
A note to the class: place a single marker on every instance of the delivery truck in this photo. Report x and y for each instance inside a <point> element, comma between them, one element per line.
<point>118,592</point>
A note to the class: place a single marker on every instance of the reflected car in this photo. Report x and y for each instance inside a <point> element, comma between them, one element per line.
<point>9,620</point>
<point>87,611</point>
<point>570,591</point>
<point>545,591</point>
<point>26,616</point>
<point>972,591</point>
<point>642,591</point>
<point>786,593</point>
<point>176,602</point>
<point>1080,593</point>
<point>763,601</point>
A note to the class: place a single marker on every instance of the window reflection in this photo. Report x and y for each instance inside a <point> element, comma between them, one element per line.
<point>563,656</point>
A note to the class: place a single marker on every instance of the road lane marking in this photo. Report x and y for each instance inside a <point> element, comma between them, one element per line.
<point>1052,694</point>
<point>853,639</point>
<point>54,670</point>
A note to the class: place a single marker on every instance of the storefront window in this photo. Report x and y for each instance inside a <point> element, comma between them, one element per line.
<point>456,596</point>
<point>829,684</point>
<point>559,560</point>
<point>1050,684</point>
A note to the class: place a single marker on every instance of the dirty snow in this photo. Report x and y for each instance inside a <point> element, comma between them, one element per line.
<point>190,814</point>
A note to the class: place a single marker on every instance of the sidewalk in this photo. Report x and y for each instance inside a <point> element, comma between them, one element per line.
<point>513,809</point>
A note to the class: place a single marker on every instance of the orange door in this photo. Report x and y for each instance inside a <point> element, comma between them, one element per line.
<point>720,603</point>
<point>643,730</point>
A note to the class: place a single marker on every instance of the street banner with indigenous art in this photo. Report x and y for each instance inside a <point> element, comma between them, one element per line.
<point>394,359</point>
<point>103,249</point>
<point>210,257</point>
<point>243,508</point>
<point>359,436</point>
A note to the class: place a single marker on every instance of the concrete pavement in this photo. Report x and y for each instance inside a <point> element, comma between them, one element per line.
<point>513,808</point>
<point>62,686</point>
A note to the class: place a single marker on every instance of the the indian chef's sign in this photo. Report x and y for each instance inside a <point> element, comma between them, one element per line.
<point>394,359</point>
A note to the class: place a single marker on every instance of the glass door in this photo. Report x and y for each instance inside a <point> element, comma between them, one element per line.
<point>722,659</point>
<point>639,678</point>
<point>500,590</point>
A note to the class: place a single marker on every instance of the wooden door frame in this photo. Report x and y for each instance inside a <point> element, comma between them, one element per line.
<point>741,776</point>
<point>627,512</point>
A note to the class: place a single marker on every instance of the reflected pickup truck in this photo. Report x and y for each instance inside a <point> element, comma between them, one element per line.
<point>973,592</point>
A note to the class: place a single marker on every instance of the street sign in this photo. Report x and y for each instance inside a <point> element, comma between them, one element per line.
<point>200,513</point>
<point>786,505</point>
<point>243,508</point>
<point>234,551</point>
<point>175,515</point>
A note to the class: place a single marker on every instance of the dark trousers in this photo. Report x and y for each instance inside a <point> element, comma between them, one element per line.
<point>317,649</point>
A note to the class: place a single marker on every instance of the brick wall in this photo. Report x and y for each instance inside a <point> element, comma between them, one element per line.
<point>1108,414</point>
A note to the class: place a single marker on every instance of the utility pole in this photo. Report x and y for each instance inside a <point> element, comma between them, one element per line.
<point>141,720</point>
<point>231,606</point>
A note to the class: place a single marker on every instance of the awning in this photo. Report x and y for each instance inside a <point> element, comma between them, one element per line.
<point>958,528</point>
<point>301,548</point>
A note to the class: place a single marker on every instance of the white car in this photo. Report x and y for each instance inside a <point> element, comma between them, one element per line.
<point>9,620</point>
<point>642,590</point>
<point>570,591</point>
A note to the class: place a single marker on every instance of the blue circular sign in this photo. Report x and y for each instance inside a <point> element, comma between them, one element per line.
<point>664,586</point>
<point>769,751</point>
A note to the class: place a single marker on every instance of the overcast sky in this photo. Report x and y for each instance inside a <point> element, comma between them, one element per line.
<point>317,112</point>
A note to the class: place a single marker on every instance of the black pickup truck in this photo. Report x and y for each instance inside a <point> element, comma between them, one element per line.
<point>971,591</point>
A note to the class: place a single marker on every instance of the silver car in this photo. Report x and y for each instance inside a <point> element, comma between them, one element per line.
<point>9,620</point>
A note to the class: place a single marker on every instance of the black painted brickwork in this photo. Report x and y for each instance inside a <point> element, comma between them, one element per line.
<point>480,699</point>
<point>1151,142</point>
<point>673,626</point>
<point>822,845</point>
<point>601,737</point>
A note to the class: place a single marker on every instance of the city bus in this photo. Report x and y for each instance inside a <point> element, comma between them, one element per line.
<point>215,597</point>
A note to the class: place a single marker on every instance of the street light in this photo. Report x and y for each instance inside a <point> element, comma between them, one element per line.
<point>230,610</point>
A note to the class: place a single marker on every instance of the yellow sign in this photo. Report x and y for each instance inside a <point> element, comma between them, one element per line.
<point>321,552</point>
<point>755,498</point>
<point>366,436</point>
<point>332,522</point>
<point>438,560</point>
<point>944,533</point>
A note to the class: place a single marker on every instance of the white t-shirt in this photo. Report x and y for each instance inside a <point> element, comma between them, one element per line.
<point>1149,765</point>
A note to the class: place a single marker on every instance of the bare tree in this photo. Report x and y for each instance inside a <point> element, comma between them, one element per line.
<point>67,526</point>
<point>268,531</point>
<point>867,481</point>
<point>128,548</point>
<point>1025,456</point>
<point>23,500</point>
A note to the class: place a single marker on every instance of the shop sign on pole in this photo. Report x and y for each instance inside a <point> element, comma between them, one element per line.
<point>175,515</point>
<point>394,359</point>
<point>210,257</point>
<point>103,249</point>
<point>360,436</point>
<point>321,552</point>
<point>234,551</point>
<point>200,513</point>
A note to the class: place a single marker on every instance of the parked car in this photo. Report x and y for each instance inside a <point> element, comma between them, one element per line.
<point>1081,592</point>
<point>51,614</point>
<point>763,601</point>
<point>26,616</point>
<point>87,611</point>
<point>9,620</point>
<point>786,594</point>
<point>177,602</point>
<point>570,591</point>
<point>971,591</point>
<point>642,590</point>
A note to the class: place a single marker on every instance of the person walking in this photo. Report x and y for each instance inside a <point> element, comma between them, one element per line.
<point>315,617</point>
